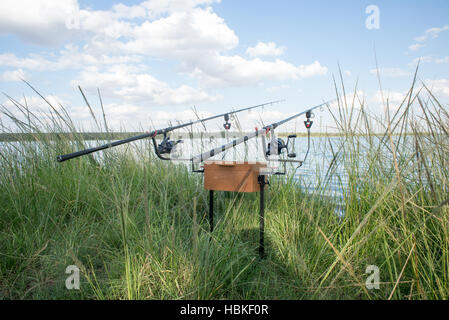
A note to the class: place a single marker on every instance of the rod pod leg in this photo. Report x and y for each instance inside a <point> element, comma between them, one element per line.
<point>262,183</point>
<point>211,210</point>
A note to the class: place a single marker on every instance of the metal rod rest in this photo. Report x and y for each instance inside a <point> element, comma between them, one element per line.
<point>211,210</point>
<point>262,183</point>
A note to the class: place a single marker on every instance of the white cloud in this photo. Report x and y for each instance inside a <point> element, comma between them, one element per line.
<point>127,83</point>
<point>182,34</point>
<point>218,70</point>
<point>423,59</point>
<point>349,98</point>
<point>131,12</point>
<point>429,59</point>
<point>79,114</point>
<point>196,37</point>
<point>265,49</point>
<point>112,45</point>
<point>36,104</point>
<point>378,102</point>
<point>158,7</point>
<point>416,46</point>
<point>13,75</point>
<point>390,72</point>
<point>69,58</point>
<point>33,62</point>
<point>41,22</point>
<point>394,99</point>
<point>117,114</point>
<point>431,33</point>
<point>51,22</point>
<point>347,73</point>
<point>439,86</point>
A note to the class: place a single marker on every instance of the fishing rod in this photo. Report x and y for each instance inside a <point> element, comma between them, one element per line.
<point>166,145</point>
<point>275,147</point>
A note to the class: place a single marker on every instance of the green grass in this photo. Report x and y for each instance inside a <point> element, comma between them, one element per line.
<point>137,227</point>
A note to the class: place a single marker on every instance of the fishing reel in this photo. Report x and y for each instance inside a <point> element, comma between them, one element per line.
<point>277,147</point>
<point>165,147</point>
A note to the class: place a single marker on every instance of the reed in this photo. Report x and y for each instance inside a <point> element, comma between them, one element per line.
<point>138,228</point>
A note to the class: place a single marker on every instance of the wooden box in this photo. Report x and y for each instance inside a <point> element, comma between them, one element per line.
<point>232,176</point>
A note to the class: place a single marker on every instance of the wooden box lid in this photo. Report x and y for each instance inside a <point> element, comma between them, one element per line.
<point>232,176</point>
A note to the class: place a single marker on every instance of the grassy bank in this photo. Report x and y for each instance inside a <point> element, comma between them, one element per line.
<point>137,228</point>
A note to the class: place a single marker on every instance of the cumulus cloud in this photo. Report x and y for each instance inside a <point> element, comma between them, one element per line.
<point>265,49</point>
<point>416,46</point>
<point>392,96</point>
<point>51,22</point>
<point>13,75</point>
<point>218,70</point>
<point>431,33</point>
<point>439,86</point>
<point>109,49</point>
<point>181,34</point>
<point>197,38</point>
<point>69,58</point>
<point>37,106</point>
<point>158,7</point>
<point>118,114</point>
<point>430,59</point>
<point>127,83</point>
<point>35,103</point>
<point>348,99</point>
<point>40,22</point>
<point>422,59</point>
<point>33,62</point>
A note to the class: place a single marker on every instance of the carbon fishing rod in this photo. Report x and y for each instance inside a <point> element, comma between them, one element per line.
<point>274,148</point>
<point>166,145</point>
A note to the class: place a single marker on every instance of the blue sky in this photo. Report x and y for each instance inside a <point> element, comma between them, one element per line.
<point>153,60</point>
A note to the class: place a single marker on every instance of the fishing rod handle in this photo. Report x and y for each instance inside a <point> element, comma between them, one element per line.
<point>80,153</point>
